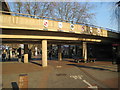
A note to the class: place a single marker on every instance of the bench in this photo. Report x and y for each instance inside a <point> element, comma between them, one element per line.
<point>82,60</point>
<point>91,59</point>
<point>78,60</point>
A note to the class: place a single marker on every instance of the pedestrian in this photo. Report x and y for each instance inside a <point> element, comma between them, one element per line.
<point>29,55</point>
<point>4,55</point>
<point>50,55</point>
<point>19,55</point>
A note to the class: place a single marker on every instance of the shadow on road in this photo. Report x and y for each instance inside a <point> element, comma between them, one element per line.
<point>90,67</point>
<point>36,63</point>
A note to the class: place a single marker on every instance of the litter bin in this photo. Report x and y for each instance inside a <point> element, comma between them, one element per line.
<point>23,81</point>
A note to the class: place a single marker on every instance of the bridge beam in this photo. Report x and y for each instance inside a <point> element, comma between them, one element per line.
<point>44,53</point>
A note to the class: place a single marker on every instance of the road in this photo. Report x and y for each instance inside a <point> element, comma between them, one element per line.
<point>64,74</point>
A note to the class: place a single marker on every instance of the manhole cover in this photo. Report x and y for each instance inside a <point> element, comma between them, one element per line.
<point>61,74</point>
<point>58,66</point>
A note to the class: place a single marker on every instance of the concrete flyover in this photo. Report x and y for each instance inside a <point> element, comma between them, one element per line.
<point>19,29</point>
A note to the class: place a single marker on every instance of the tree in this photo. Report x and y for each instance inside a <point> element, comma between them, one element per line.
<point>117,13</point>
<point>18,6</point>
<point>68,11</point>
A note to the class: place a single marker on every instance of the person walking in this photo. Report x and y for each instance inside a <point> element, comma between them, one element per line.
<point>29,55</point>
<point>19,55</point>
<point>50,55</point>
<point>4,55</point>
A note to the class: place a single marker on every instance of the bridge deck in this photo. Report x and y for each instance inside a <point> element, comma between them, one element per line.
<point>12,25</point>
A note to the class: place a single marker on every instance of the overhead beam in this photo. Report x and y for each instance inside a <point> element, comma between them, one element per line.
<point>47,37</point>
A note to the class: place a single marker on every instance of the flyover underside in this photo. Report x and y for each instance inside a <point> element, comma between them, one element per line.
<point>34,36</point>
<point>37,41</point>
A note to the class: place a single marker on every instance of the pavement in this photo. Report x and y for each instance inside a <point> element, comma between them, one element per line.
<point>62,74</point>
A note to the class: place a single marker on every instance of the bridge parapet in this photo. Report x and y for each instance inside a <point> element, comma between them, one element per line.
<point>20,22</point>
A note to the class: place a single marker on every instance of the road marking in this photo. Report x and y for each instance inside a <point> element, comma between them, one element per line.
<point>80,77</point>
<point>90,86</point>
<point>58,66</point>
<point>76,76</point>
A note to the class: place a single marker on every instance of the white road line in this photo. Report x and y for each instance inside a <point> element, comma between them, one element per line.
<point>90,86</point>
<point>87,83</point>
<point>75,77</point>
<point>80,77</point>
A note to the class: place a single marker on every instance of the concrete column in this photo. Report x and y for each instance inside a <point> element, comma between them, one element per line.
<point>11,53</point>
<point>85,51</point>
<point>44,53</point>
<point>36,49</point>
<point>59,53</point>
<point>25,53</point>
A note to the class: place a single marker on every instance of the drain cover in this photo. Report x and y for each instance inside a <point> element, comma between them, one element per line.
<point>58,66</point>
<point>61,74</point>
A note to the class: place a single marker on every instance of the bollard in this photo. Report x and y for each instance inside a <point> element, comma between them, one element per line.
<point>23,81</point>
<point>19,59</point>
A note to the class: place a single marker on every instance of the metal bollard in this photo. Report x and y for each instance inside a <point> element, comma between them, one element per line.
<point>23,81</point>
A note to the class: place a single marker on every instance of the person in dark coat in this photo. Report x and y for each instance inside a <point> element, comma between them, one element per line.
<point>50,55</point>
<point>29,55</point>
<point>19,55</point>
<point>4,55</point>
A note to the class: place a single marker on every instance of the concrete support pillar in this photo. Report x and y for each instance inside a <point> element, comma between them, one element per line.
<point>25,53</point>
<point>44,53</point>
<point>59,53</point>
<point>36,49</point>
<point>10,54</point>
<point>85,51</point>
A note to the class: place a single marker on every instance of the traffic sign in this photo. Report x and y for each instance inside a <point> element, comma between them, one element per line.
<point>99,30</point>
<point>71,26</point>
<point>83,28</point>
<point>91,29</point>
<point>45,23</point>
<point>60,24</point>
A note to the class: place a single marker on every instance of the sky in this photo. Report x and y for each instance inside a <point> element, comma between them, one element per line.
<point>103,14</point>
